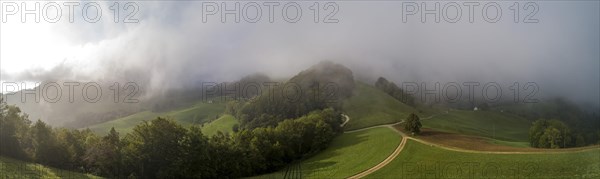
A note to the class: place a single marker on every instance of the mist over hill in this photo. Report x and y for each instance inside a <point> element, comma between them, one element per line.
<point>324,85</point>
<point>164,53</point>
<point>333,78</point>
<point>300,89</point>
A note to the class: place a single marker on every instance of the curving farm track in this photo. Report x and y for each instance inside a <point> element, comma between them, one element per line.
<point>405,138</point>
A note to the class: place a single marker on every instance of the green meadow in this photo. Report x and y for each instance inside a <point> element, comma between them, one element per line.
<point>186,116</point>
<point>223,124</point>
<point>419,160</point>
<point>370,107</point>
<point>10,168</point>
<point>490,124</point>
<point>348,154</point>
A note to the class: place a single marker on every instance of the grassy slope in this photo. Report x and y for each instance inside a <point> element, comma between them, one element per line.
<point>349,154</point>
<point>442,163</point>
<point>195,114</point>
<point>10,168</point>
<point>223,124</point>
<point>491,124</point>
<point>369,107</point>
<point>509,143</point>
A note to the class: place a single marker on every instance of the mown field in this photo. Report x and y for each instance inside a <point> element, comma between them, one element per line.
<point>370,107</point>
<point>418,160</point>
<point>468,142</point>
<point>223,124</point>
<point>195,114</point>
<point>506,129</point>
<point>10,168</point>
<point>348,154</point>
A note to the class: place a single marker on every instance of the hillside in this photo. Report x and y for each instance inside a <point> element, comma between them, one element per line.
<point>369,106</point>
<point>447,164</point>
<point>321,86</point>
<point>491,124</point>
<point>195,114</point>
<point>348,154</point>
<point>10,168</point>
<point>77,112</point>
<point>223,124</point>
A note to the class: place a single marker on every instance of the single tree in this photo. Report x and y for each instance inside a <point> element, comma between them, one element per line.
<point>413,124</point>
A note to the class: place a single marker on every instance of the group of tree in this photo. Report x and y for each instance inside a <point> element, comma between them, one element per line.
<point>554,134</point>
<point>161,148</point>
<point>576,124</point>
<point>40,143</point>
<point>393,90</point>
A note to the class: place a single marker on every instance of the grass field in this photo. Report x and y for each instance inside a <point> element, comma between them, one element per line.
<point>422,161</point>
<point>469,142</point>
<point>195,114</point>
<point>348,154</point>
<point>10,168</point>
<point>370,107</point>
<point>223,124</point>
<point>506,129</point>
<point>511,144</point>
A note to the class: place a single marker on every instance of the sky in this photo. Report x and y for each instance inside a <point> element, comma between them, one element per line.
<point>172,46</point>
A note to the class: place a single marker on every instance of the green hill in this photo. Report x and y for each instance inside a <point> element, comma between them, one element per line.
<point>418,160</point>
<point>223,124</point>
<point>321,86</point>
<point>369,106</point>
<point>347,155</point>
<point>491,124</point>
<point>195,114</point>
<point>10,168</point>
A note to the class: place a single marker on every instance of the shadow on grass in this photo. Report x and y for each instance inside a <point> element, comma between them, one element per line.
<point>11,168</point>
<point>320,164</point>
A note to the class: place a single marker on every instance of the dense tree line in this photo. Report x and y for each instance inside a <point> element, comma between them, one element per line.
<point>161,148</point>
<point>393,90</point>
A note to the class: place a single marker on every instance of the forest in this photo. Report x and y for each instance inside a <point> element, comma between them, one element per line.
<point>274,132</point>
<point>162,148</point>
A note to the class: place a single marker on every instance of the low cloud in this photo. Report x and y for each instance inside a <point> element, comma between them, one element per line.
<point>172,48</point>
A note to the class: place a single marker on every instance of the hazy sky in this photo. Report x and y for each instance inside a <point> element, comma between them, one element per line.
<point>171,46</point>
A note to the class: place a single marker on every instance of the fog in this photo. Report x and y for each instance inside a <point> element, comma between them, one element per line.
<point>171,47</point>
